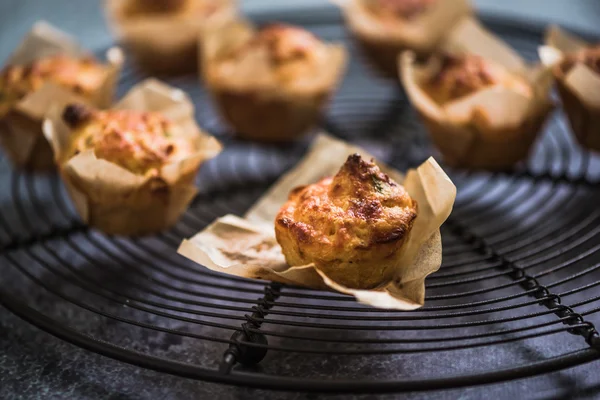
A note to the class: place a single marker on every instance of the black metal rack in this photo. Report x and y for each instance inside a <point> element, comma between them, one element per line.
<point>516,295</point>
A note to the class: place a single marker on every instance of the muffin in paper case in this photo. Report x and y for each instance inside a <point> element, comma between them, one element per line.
<point>21,133</point>
<point>576,68</point>
<point>247,246</point>
<point>273,84</point>
<point>421,31</point>
<point>163,35</point>
<point>122,201</point>
<point>493,127</point>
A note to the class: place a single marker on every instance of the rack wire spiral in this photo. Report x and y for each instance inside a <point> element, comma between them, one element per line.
<point>519,280</point>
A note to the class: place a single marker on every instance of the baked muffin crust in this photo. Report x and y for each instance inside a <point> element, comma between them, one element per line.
<point>141,142</point>
<point>394,10</point>
<point>461,76</point>
<point>352,225</point>
<point>82,76</point>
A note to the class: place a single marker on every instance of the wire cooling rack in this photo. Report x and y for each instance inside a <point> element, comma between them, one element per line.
<point>516,296</point>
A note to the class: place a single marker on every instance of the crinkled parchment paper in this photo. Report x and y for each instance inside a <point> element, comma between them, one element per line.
<point>118,201</point>
<point>422,34</point>
<point>247,247</point>
<point>21,129</point>
<point>165,42</point>
<point>579,87</point>
<point>250,96</point>
<point>494,127</point>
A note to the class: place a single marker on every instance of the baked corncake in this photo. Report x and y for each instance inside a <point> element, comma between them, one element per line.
<point>83,76</point>
<point>482,105</point>
<point>163,35</point>
<point>385,28</point>
<point>352,226</point>
<point>47,65</point>
<point>463,75</point>
<point>292,53</point>
<point>130,170</point>
<point>141,142</point>
<point>271,84</point>
<point>389,11</point>
<point>576,68</point>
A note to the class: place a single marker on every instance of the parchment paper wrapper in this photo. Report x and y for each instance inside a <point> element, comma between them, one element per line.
<point>117,201</point>
<point>252,100</point>
<point>247,247</point>
<point>164,43</point>
<point>579,88</point>
<point>21,129</point>
<point>493,128</point>
<point>382,43</point>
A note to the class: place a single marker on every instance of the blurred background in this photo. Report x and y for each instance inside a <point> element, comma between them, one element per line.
<point>65,371</point>
<point>85,17</point>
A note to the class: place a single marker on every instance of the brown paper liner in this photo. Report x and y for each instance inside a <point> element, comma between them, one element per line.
<point>21,133</point>
<point>116,201</point>
<point>493,128</point>
<point>576,87</point>
<point>483,147</point>
<point>253,103</point>
<point>247,246</point>
<point>382,44</point>
<point>584,119</point>
<point>166,43</point>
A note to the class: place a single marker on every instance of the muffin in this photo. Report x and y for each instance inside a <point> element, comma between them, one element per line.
<point>271,84</point>
<point>384,28</point>
<point>352,226</point>
<point>162,35</point>
<point>482,105</point>
<point>47,62</point>
<point>130,170</point>
<point>576,68</point>
<point>365,230</point>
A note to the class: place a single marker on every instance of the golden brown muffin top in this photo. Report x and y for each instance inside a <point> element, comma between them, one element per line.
<point>290,52</point>
<point>460,76</point>
<point>589,56</point>
<point>285,43</point>
<point>141,142</point>
<point>83,76</point>
<point>360,207</point>
<point>157,7</point>
<point>398,9</point>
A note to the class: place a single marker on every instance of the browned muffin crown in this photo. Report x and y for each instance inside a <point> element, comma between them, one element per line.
<point>83,76</point>
<point>461,76</point>
<point>139,141</point>
<point>404,9</point>
<point>285,42</point>
<point>359,216</point>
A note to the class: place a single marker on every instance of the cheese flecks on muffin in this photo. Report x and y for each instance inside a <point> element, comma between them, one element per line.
<point>351,226</point>
<point>461,76</point>
<point>141,142</point>
<point>83,76</point>
<point>393,10</point>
